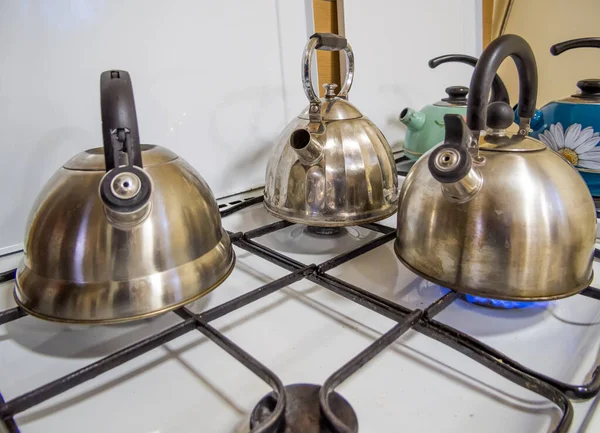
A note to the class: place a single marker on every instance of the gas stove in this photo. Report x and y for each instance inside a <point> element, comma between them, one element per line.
<point>313,332</point>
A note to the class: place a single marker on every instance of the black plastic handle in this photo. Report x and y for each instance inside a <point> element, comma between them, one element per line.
<point>487,66</point>
<point>330,42</point>
<point>561,47</point>
<point>452,161</point>
<point>499,92</point>
<point>122,150</point>
<point>119,120</point>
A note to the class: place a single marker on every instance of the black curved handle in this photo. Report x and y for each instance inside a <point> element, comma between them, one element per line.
<point>330,42</point>
<point>125,187</point>
<point>499,92</point>
<point>119,120</point>
<point>487,66</point>
<point>452,161</point>
<point>561,47</point>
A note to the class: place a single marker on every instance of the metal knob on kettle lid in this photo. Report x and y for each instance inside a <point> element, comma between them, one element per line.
<point>122,232</point>
<point>331,165</point>
<point>485,213</point>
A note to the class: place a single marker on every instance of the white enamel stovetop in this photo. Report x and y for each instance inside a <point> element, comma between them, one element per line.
<point>304,333</point>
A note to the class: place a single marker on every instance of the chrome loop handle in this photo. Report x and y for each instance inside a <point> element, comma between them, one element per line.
<point>328,42</point>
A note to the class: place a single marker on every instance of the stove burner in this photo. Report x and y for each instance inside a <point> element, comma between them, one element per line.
<point>324,231</point>
<point>502,304</point>
<point>303,412</point>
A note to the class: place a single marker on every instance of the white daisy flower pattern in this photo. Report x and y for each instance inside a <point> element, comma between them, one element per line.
<point>576,145</point>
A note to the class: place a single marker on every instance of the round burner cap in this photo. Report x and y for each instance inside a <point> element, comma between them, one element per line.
<point>303,412</point>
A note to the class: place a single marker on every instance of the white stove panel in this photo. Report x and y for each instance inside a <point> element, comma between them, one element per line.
<point>303,333</point>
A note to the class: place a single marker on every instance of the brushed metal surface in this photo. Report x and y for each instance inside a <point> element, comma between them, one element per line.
<point>78,267</point>
<point>353,183</point>
<point>528,234</point>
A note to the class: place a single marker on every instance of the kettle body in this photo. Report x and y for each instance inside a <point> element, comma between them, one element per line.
<point>350,184</point>
<point>331,165</point>
<point>527,235</point>
<point>494,213</point>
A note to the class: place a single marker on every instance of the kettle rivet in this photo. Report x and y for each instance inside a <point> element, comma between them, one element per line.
<point>125,185</point>
<point>447,159</point>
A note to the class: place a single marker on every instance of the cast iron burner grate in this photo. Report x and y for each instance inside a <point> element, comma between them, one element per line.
<point>304,407</point>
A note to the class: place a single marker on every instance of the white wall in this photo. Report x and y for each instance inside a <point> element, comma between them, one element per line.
<point>393,40</point>
<point>214,81</point>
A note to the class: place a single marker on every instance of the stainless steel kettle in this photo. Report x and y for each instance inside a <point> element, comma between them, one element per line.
<point>121,233</point>
<point>497,214</point>
<point>331,166</point>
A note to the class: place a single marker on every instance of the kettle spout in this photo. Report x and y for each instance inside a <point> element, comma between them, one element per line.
<point>464,189</point>
<point>308,149</point>
<point>414,120</point>
<point>451,163</point>
<point>126,193</point>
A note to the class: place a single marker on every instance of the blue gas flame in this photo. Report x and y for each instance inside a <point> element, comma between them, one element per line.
<point>498,303</point>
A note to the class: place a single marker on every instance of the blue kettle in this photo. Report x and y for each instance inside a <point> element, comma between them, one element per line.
<point>571,126</point>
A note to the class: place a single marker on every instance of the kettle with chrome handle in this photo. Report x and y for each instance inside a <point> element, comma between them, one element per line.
<point>494,213</point>
<point>331,165</point>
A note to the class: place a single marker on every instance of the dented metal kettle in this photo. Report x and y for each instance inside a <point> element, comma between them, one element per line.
<point>494,213</point>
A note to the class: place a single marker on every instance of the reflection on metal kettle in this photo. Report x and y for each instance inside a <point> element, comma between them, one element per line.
<point>494,213</point>
<point>331,166</point>
<point>121,233</point>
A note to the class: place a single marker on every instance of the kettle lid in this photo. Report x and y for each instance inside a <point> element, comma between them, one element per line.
<point>334,107</point>
<point>457,97</point>
<point>93,159</point>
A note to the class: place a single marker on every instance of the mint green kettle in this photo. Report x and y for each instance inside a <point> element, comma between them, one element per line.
<point>426,127</point>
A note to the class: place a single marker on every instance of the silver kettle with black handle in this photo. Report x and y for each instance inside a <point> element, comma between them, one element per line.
<point>495,213</point>
<point>123,232</point>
